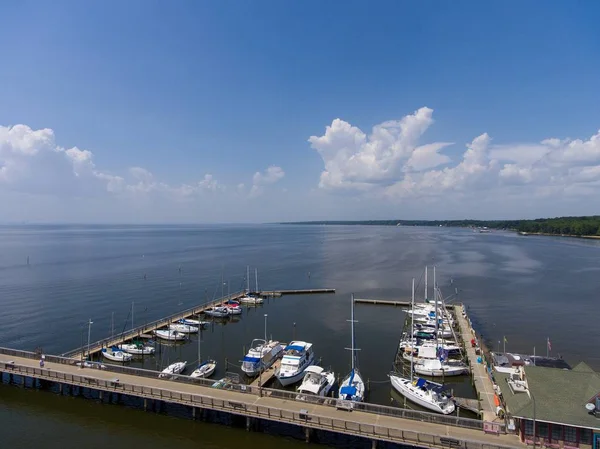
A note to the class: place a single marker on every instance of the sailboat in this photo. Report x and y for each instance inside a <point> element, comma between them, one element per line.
<point>115,354</point>
<point>250,298</point>
<point>206,368</point>
<point>261,355</point>
<point>172,369</point>
<point>183,328</point>
<point>426,394</point>
<point>169,335</point>
<point>137,348</point>
<point>190,322</point>
<point>353,386</point>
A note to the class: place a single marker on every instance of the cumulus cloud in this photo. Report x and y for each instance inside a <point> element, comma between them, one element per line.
<point>390,162</point>
<point>32,162</point>
<point>271,175</point>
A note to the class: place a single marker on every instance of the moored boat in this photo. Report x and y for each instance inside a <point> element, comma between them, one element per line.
<point>169,335</point>
<point>137,348</point>
<point>297,356</point>
<point>173,369</point>
<point>316,382</point>
<point>205,369</point>
<point>261,355</point>
<point>426,394</point>
<point>183,328</point>
<point>115,354</point>
<point>217,312</point>
<point>353,386</point>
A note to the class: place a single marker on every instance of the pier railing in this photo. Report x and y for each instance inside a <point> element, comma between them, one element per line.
<point>258,391</point>
<point>152,325</point>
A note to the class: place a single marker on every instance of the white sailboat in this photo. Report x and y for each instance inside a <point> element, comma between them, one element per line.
<point>421,392</point>
<point>297,356</point>
<point>169,335</point>
<point>316,382</point>
<point>217,312</point>
<point>206,368</point>
<point>432,364</point>
<point>183,328</point>
<point>190,322</point>
<point>353,386</point>
<point>172,369</point>
<point>248,297</point>
<point>261,355</point>
<point>137,348</point>
<point>115,354</point>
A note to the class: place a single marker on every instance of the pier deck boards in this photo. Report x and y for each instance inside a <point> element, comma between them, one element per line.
<point>308,415</point>
<point>483,384</point>
<point>266,376</point>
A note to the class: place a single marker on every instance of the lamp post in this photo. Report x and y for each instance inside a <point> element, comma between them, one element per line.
<point>90,322</point>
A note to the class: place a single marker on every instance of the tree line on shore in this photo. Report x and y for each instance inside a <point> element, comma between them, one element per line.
<point>580,226</point>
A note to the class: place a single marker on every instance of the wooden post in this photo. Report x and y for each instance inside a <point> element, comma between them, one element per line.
<point>194,413</point>
<point>101,395</point>
<point>248,422</point>
<point>373,444</point>
<point>307,434</point>
<point>145,404</point>
<point>60,388</point>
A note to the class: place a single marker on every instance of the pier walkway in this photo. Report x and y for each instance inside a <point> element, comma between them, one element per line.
<point>482,381</point>
<point>307,414</point>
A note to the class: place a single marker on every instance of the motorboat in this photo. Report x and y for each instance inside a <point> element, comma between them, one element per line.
<point>251,299</point>
<point>261,355</point>
<point>137,348</point>
<point>169,335</point>
<point>424,393</point>
<point>438,368</point>
<point>183,328</point>
<point>316,382</point>
<point>115,354</point>
<point>353,386</point>
<point>297,356</point>
<point>190,322</point>
<point>205,369</point>
<point>233,307</point>
<point>217,312</point>
<point>172,370</point>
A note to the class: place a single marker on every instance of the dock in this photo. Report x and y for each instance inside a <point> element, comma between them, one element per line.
<point>267,375</point>
<point>146,330</point>
<point>468,404</point>
<point>382,302</point>
<point>369,421</point>
<point>481,380</point>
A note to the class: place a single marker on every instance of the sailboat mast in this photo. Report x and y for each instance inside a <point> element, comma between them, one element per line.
<point>435,304</point>
<point>352,328</point>
<point>426,286</point>
<point>412,329</point>
<point>132,302</point>
<point>266,327</point>
<point>256,278</point>
<point>112,325</point>
<point>199,350</point>
<point>248,278</point>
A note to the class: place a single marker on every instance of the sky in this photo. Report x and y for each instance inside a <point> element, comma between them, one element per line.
<point>235,111</point>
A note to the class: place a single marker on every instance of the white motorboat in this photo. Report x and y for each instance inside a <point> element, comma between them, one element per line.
<point>316,381</point>
<point>190,322</point>
<point>116,355</point>
<point>205,369</point>
<point>233,307</point>
<point>251,299</point>
<point>424,393</point>
<point>183,328</point>
<point>169,335</point>
<point>173,369</point>
<point>137,348</point>
<point>437,368</point>
<point>353,386</point>
<point>297,356</point>
<point>217,312</point>
<point>261,355</point>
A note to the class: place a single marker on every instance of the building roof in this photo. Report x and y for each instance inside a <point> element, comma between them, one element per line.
<point>560,395</point>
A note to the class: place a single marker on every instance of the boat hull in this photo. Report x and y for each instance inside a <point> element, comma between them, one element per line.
<point>359,385</point>
<point>441,372</point>
<point>135,350</point>
<point>206,370</point>
<point>405,388</point>
<point>116,356</point>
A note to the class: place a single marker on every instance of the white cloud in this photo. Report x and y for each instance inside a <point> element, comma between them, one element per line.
<point>271,175</point>
<point>389,163</point>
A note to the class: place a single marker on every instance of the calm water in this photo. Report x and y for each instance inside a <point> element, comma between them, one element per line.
<point>526,288</point>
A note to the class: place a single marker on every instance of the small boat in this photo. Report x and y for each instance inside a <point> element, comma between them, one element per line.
<point>169,335</point>
<point>297,356</point>
<point>190,322</point>
<point>205,369</point>
<point>437,368</point>
<point>251,299</point>
<point>137,348</point>
<point>261,355</point>
<point>173,369</point>
<point>427,394</point>
<point>115,354</point>
<point>183,328</point>
<point>316,381</point>
<point>353,386</point>
<point>217,312</point>
<point>233,307</point>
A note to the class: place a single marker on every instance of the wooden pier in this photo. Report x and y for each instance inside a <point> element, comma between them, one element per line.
<point>481,380</point>
<point>146,330</point>
<point>376,423</point>
<point>382,302</point>
<point>267,375</point>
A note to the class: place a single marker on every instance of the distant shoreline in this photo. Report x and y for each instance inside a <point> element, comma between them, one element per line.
<point>545,234</point>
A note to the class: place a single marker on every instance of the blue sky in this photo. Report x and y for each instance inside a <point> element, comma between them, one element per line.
<point>145,111</point>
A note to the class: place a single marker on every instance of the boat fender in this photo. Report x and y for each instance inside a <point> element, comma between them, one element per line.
<point>500,412</point>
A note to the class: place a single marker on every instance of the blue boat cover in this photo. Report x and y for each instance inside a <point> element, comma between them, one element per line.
<point>251,359</point>
<point>295,348</point>
<point>348,390</point>
<point>421,382</point>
